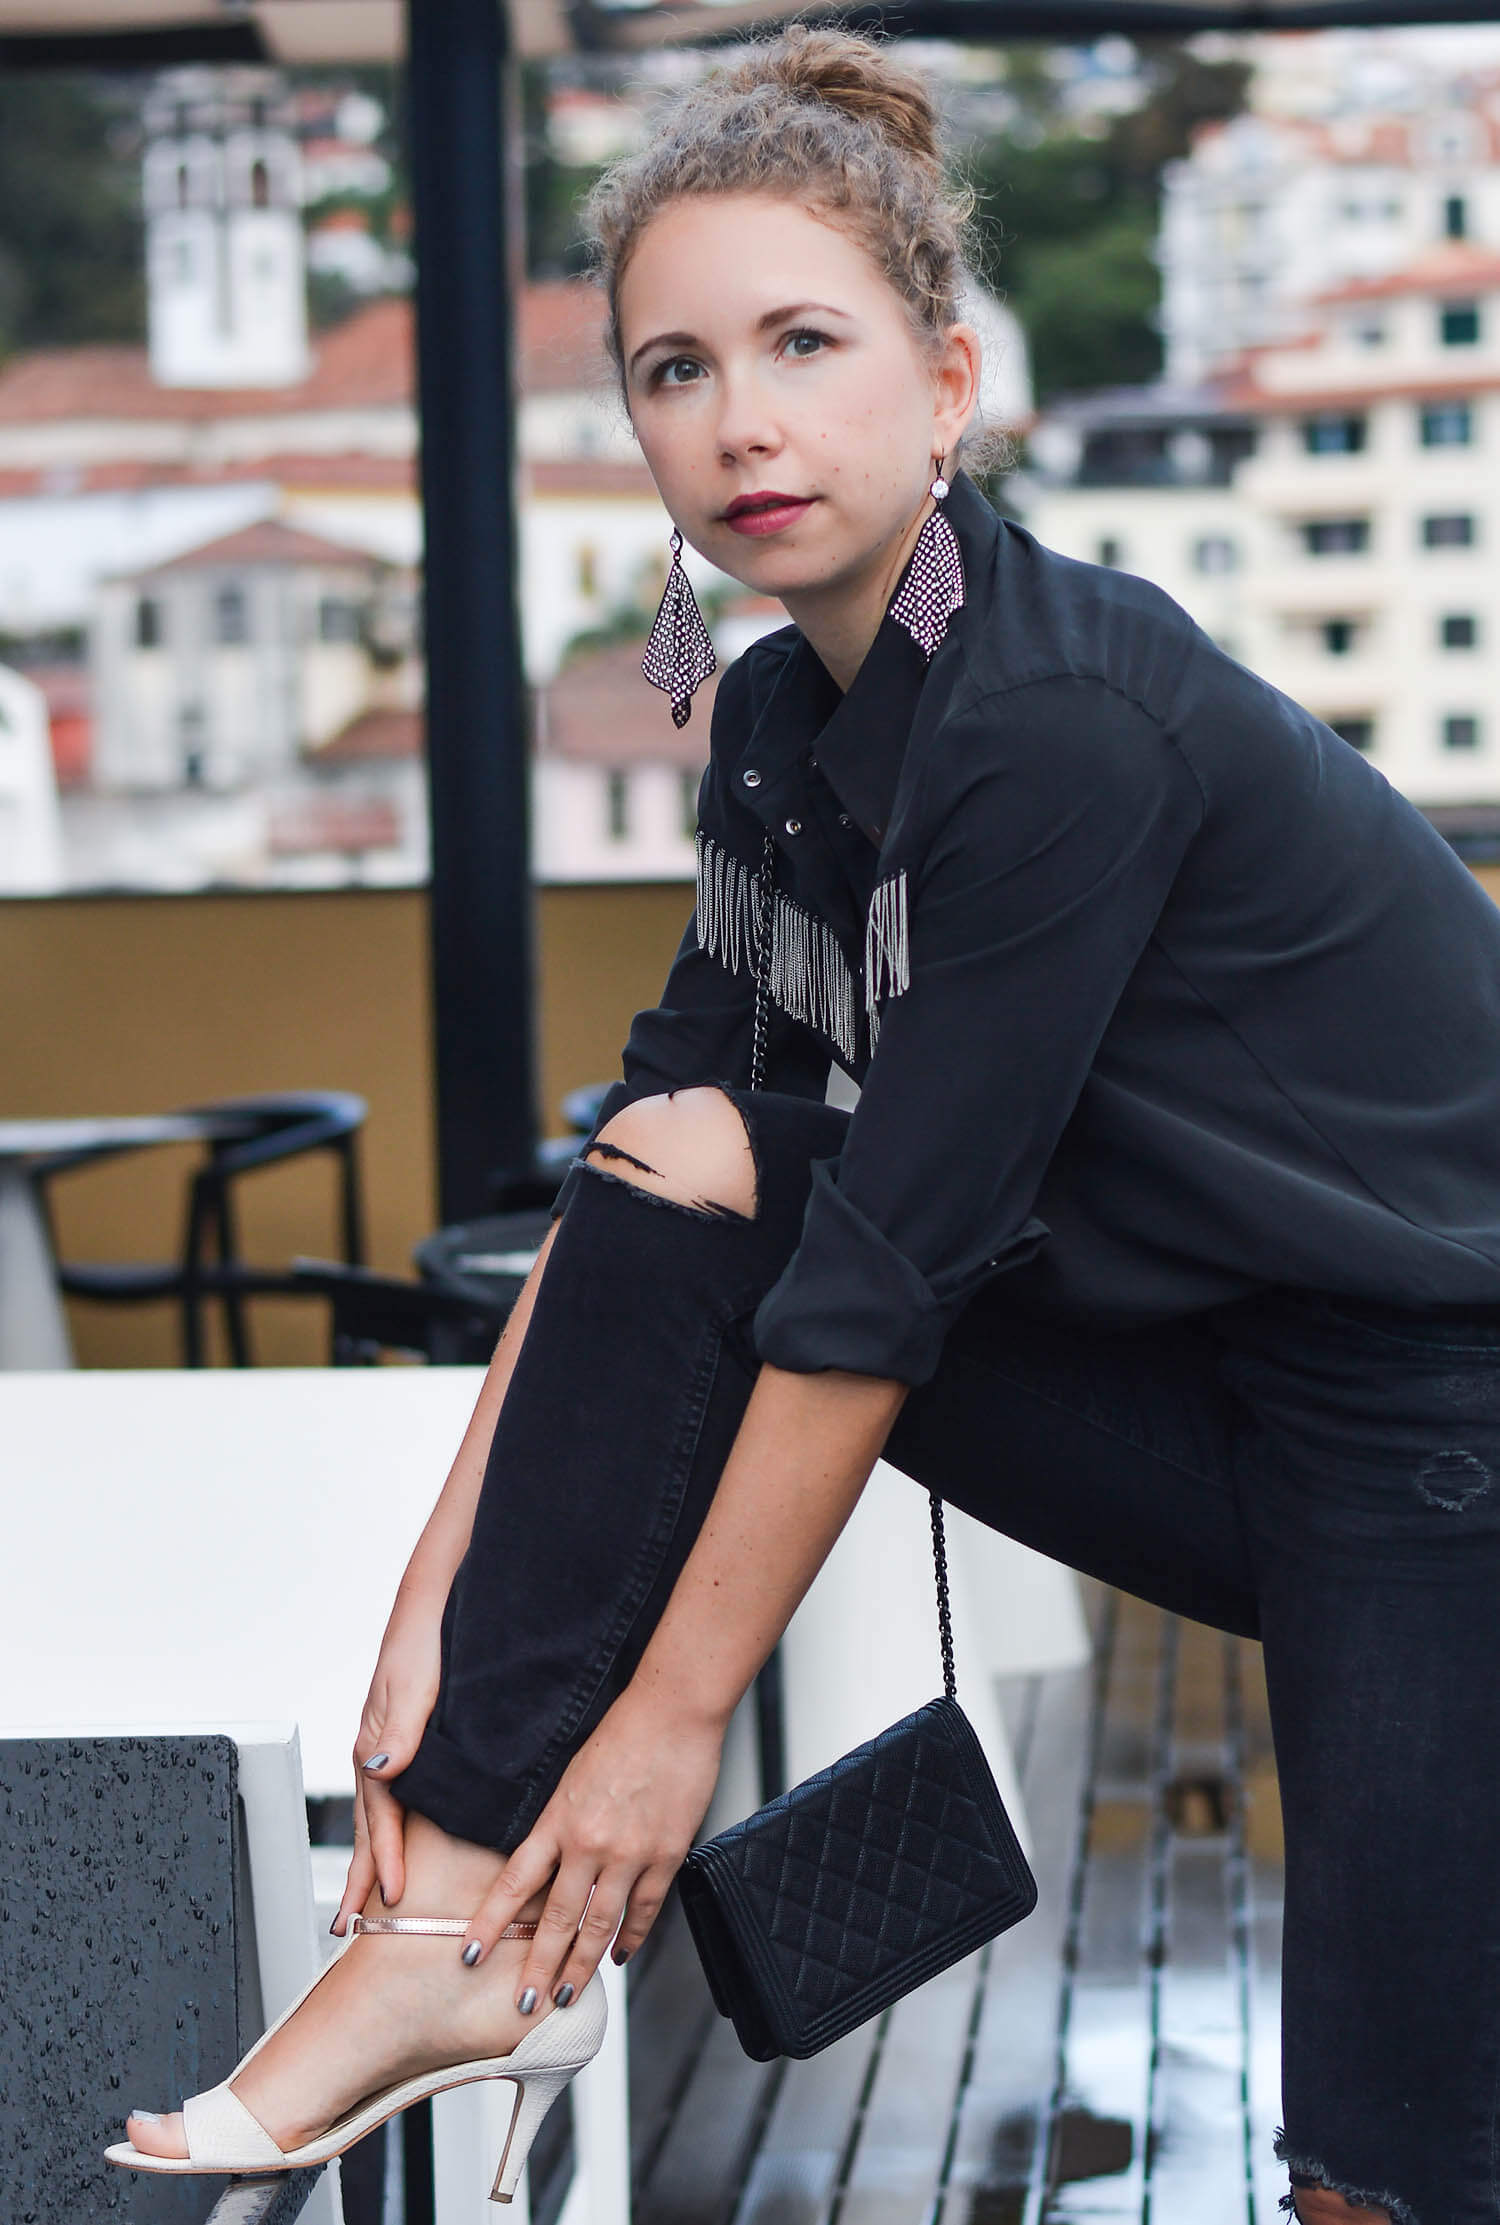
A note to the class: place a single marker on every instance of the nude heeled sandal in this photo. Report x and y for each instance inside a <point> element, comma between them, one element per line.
<point>223,2136</point>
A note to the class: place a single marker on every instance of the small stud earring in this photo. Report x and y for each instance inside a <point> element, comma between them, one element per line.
<point>679,655</point>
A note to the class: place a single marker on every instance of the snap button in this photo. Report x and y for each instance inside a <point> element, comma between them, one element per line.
<point>845,820</point>
<point>751,778</point>
<point>794,826</point>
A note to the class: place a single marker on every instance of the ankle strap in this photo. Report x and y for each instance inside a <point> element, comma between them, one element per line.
<point>439,1927</point>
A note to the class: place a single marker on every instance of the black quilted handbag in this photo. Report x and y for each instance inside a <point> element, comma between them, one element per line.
<point>870,1877</point>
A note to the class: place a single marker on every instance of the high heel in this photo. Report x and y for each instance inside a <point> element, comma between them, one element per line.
<point>223,2136</point>
<point>534,2097</point>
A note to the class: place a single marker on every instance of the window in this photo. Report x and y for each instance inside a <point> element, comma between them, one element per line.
<point>617,805</point>
<point>1455,217</point>
<point>688,792</point>
<point>260,185</point>
<point>587,572</point>
<point>190,725</point>
<point>231,616</point>
<point>1358,732</point>
<point>148,626</point>
<point>1338,636</point>
<point>1111,551</point>
<point>1368,331</point>
<point>338,619</point>
<point>1459,629</point>
<point>1333,435</point>
<point>1458,323</point>
<point>1447,425</point>
<point>1216,552</point>
<point>1461,731</point>
<point>1335,536</point>
<point>1455,532</point>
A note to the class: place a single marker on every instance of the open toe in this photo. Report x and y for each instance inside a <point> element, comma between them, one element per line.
<point>156,2135</point>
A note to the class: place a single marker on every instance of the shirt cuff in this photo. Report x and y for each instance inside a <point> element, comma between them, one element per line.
<point>849,1299</point>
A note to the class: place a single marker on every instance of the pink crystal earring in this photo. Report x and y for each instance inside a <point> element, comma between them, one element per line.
<point>933,588</point>
<point>679,655</point>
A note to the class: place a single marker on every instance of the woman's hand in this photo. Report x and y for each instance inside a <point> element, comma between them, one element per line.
<point>400,1699</point>
<point>610,1840</point>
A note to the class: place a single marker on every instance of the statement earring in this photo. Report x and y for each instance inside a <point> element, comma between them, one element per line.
<point>679,655</point>
<point>933,588</point>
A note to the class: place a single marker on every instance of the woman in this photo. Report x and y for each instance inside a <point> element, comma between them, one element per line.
<point>1165,1235</point>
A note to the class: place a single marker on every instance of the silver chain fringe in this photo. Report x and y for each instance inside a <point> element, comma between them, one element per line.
<point>810,978</point>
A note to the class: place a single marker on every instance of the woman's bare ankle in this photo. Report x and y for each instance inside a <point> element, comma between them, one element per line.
<point>457,1873</point>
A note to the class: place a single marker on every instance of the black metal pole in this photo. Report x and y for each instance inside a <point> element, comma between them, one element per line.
<point>481,934</point>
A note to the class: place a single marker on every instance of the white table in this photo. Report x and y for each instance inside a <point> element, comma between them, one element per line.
<point>208,1547</point>
<point>33,1323</point>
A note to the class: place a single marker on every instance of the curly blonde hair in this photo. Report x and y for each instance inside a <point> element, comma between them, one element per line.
<point>823,117</point>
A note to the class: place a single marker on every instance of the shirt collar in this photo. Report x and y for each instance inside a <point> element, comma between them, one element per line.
<point>859,736</point>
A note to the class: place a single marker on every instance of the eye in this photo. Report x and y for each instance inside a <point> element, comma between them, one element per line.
<point>819,341</point>
<point>663,373</point>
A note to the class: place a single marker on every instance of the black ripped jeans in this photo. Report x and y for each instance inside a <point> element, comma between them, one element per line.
<point>1318,1473</point>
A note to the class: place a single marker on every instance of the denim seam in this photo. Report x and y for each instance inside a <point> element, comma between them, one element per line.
<point>647,1566</point>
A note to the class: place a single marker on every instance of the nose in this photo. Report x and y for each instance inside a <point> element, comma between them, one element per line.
<point>746,424</point>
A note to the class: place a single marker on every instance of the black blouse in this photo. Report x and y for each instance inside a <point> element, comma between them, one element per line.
<point>1172,996</point>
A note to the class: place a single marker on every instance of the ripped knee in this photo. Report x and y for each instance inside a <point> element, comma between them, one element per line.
<point>689,1147</point>
<point>1319,2198</point>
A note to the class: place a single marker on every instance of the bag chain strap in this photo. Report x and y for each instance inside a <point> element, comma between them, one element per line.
<point>766,921</point>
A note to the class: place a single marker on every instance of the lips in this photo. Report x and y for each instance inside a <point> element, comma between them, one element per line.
<point>767,512</point>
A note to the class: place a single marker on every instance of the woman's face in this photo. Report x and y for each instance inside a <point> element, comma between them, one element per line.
<point>766,355</point>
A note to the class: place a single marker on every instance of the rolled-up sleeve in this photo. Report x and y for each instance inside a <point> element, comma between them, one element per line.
<point>1055,818</point>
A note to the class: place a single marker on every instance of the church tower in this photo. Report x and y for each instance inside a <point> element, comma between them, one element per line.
<point>225,291</point>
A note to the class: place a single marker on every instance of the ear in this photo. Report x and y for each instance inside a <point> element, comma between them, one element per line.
<point>955,386</point>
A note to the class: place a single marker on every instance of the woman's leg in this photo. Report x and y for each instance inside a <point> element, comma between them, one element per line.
<point>1110,1451</point>
<point>627,1393</point>
<point>1372,1486</point>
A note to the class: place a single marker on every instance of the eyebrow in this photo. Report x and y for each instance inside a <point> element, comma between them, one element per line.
<point>762,324</point>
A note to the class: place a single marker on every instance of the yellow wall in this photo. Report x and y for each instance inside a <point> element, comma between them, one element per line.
<point>138,1004</point>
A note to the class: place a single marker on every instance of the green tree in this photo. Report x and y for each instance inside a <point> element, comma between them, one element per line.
<point>1067,217</point>
<point>70,214</point>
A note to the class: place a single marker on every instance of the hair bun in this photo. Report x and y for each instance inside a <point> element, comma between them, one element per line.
<point>852,74</point>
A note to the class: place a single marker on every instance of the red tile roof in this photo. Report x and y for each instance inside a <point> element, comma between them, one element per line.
<point>1451,267</point>
<point>267,541</point>
<point>377,736</point>
<point>333,474</point>
<point>345,823</point>
<point>601,709</point>
<point>364,363</point>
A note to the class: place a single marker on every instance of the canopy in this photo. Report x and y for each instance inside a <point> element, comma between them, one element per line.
<point>156,33</point>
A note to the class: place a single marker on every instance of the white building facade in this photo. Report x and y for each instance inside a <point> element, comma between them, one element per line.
<point>1350,558</point>
<point>1270,210</point>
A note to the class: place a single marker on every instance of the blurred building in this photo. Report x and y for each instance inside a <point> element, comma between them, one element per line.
<point>31,861</point>
<point>1271,209</point>
<point>226,301</point>
<point>1327,509</point>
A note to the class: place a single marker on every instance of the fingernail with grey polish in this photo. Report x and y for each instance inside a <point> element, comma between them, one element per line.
<point>563,1996</point>
<point>471,1953</point>
<point>146,2116</point>
<point>377,1761</point>
<point>619,1954</point>
<point>527,2001</point>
